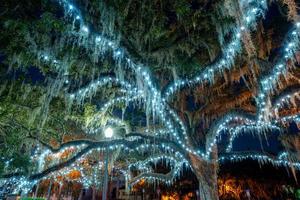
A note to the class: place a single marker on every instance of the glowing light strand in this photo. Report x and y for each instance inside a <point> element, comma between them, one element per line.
<point>232,49</point>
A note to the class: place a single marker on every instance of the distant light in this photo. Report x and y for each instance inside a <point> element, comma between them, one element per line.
<point>118,53</point>
<point>108,132</point>
<point>85,29</point>
<point>248,19</point>
<point>98,39</point>
<point>71,7</point>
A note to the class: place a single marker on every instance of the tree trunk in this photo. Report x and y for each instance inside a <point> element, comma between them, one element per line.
<point>206,173</point>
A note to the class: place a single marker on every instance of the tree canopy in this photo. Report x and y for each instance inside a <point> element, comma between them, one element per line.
<point>177,81</point>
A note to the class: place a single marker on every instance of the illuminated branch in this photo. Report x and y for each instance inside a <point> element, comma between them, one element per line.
<point>285,98</point>
<point>253,10</point>
<point>152,176</point>
<point>266,126</point>
<point>223,124</point>
<point>270,82</point>
<point>156,158</point>
<point>147,171</point>
<point>261,157</point>
<point>96,84</point>
<point>152,95</point>
<point>290,118</point>
<point>252,128</point>
<point>88,145</point>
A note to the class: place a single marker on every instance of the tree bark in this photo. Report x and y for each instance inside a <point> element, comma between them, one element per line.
<point>206,173</point>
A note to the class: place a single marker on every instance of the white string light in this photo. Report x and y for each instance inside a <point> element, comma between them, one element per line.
<point>173,125</point>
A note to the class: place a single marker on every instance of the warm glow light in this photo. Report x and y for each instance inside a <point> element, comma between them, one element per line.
<point>108,132</point>
<point>171,196</point>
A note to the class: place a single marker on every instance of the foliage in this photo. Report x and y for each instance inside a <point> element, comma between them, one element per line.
<point>67,102</point>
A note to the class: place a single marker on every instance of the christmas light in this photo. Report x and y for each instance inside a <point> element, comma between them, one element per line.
<point>172,138</point>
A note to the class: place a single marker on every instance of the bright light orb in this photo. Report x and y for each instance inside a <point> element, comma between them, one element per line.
<point>108,132</point>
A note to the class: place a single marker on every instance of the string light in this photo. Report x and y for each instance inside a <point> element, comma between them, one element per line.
<point>230,51</point>
<point>173,125</point>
